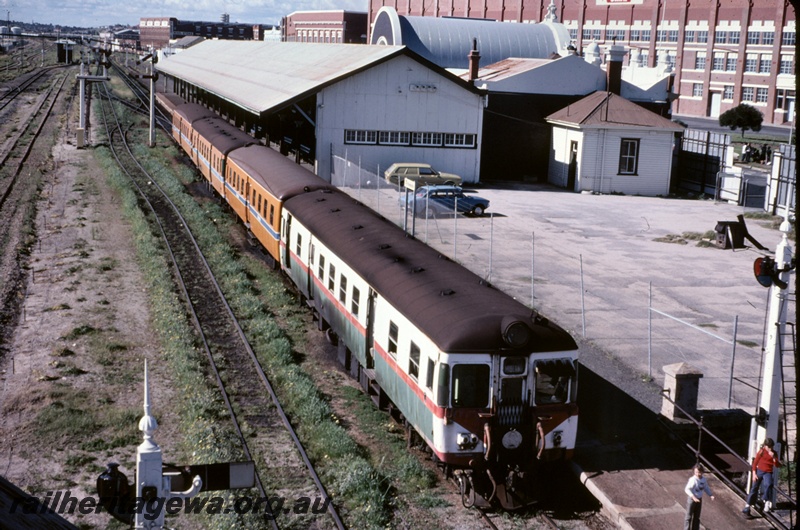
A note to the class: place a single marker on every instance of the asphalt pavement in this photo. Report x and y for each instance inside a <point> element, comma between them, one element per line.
<point>641,283</point>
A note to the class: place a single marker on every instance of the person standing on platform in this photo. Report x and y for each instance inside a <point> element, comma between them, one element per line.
<point>694,489</point>
<point>764,464</point>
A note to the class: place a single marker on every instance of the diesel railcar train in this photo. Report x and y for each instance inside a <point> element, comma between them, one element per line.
<point>486,383</point>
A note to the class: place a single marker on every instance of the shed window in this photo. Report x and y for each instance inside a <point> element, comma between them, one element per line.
<point>629,156</point>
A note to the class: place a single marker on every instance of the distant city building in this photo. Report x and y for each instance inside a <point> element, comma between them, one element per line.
<point>325,26</point>
<point>159,31</point>
<point>724,52</point>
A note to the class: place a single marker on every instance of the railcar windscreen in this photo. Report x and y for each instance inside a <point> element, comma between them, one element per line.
<point>471,385</point>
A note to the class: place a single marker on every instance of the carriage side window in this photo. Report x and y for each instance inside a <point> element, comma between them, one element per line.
<point>413,361</point>
<point>343,289</point>
<point>321,270</point>
<point>271,213</point>
<point>299,247</point>
<point>393,332</point>
<point>470,385</point>
<point>554,381</point>
<point>258,208</point>
<point>355,301</point>
<point>331,276</point>
<point>429,375</point>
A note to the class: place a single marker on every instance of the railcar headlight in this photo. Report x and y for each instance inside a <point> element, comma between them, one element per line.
<point>516,333</point>
<point>466,441</point>
<point>557,438</point>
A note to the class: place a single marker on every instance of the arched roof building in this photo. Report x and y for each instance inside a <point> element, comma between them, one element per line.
<point>447,41</point>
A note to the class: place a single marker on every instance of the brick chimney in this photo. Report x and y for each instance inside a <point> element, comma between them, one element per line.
<point>614,68</point>
<point>474,59</point>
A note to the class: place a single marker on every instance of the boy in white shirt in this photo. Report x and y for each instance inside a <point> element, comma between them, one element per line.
<point>694,489</point>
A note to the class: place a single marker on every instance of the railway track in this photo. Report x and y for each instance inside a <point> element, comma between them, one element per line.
<point>269,439</point>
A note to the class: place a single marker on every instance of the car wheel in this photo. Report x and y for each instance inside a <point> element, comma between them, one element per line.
<point>478,210</point>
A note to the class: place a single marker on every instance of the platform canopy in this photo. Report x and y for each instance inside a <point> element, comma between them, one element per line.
<point>266,76</point>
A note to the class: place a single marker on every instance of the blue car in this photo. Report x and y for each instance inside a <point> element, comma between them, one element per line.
<point>435,201</point>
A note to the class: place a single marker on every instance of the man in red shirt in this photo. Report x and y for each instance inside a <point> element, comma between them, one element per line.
<point>764,463</point>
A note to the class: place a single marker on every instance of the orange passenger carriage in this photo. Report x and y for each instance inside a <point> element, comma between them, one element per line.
<point>213,139</point>
<point>267,178</point>
<point>182,119</point>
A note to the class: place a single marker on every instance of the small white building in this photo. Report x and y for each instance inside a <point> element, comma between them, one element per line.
<point>604,143</point>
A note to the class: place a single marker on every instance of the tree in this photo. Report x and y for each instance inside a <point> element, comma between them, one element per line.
<point>743,117</point>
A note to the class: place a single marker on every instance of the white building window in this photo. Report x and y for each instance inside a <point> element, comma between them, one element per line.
<point>700,61</point>
<point>426,139</point>
<point>628,156</point>
<point>697,90</point>
<point>394,138</point>
<point>762,95</point>
<point>765,64</point>
<point>727,92</point>
<point>751,63</point>
<point>787,66</point>
<point>352,136</point>
<point>459,140</point>
<point>748,93</point>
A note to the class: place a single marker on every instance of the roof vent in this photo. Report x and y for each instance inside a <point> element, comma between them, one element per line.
<point>384,246</point>
<point>417,270</point>
<point>334,210</point>
<point>446,292</point>
<point>357,227</point>
<point>320,199</point>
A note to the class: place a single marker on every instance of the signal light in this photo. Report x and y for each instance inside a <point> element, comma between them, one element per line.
<point>766,273</point>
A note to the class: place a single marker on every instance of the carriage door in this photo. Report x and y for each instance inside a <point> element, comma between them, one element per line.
<point>287,237</point>
<point>513,390</point>
<point>370,338</point>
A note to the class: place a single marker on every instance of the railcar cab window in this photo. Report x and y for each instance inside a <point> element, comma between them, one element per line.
<point>471,385</point>
<point>554,380</point>
<point>354,303</point>
<point>429,374</point>
<point>343,289</point>
<point>393,332</point>
<point>413,361</point>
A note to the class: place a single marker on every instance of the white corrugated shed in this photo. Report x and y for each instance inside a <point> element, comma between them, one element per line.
<point>261,76</point>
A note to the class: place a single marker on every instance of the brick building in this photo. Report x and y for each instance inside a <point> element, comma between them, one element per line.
<point>325,26</point>
<point>724,52</point>
<point>158,31</point>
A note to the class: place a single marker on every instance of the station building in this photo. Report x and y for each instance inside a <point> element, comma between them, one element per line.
<point>724,52</point>
<point>376,105</point>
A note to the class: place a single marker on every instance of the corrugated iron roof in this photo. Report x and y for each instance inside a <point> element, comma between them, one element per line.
<point>607,110</point>
<point>262,76</point>
<point>508,68</point>
<point>447,41</point>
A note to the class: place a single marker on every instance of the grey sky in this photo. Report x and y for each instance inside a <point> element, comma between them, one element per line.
<point>98,13</point>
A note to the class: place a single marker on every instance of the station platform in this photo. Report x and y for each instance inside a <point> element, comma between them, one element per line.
<point>636,467</point>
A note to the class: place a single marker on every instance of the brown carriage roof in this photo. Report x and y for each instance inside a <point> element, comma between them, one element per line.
<point>285,178</point>
<point>222,134</point>
<point>454,307</point>
<point>192,112</point>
